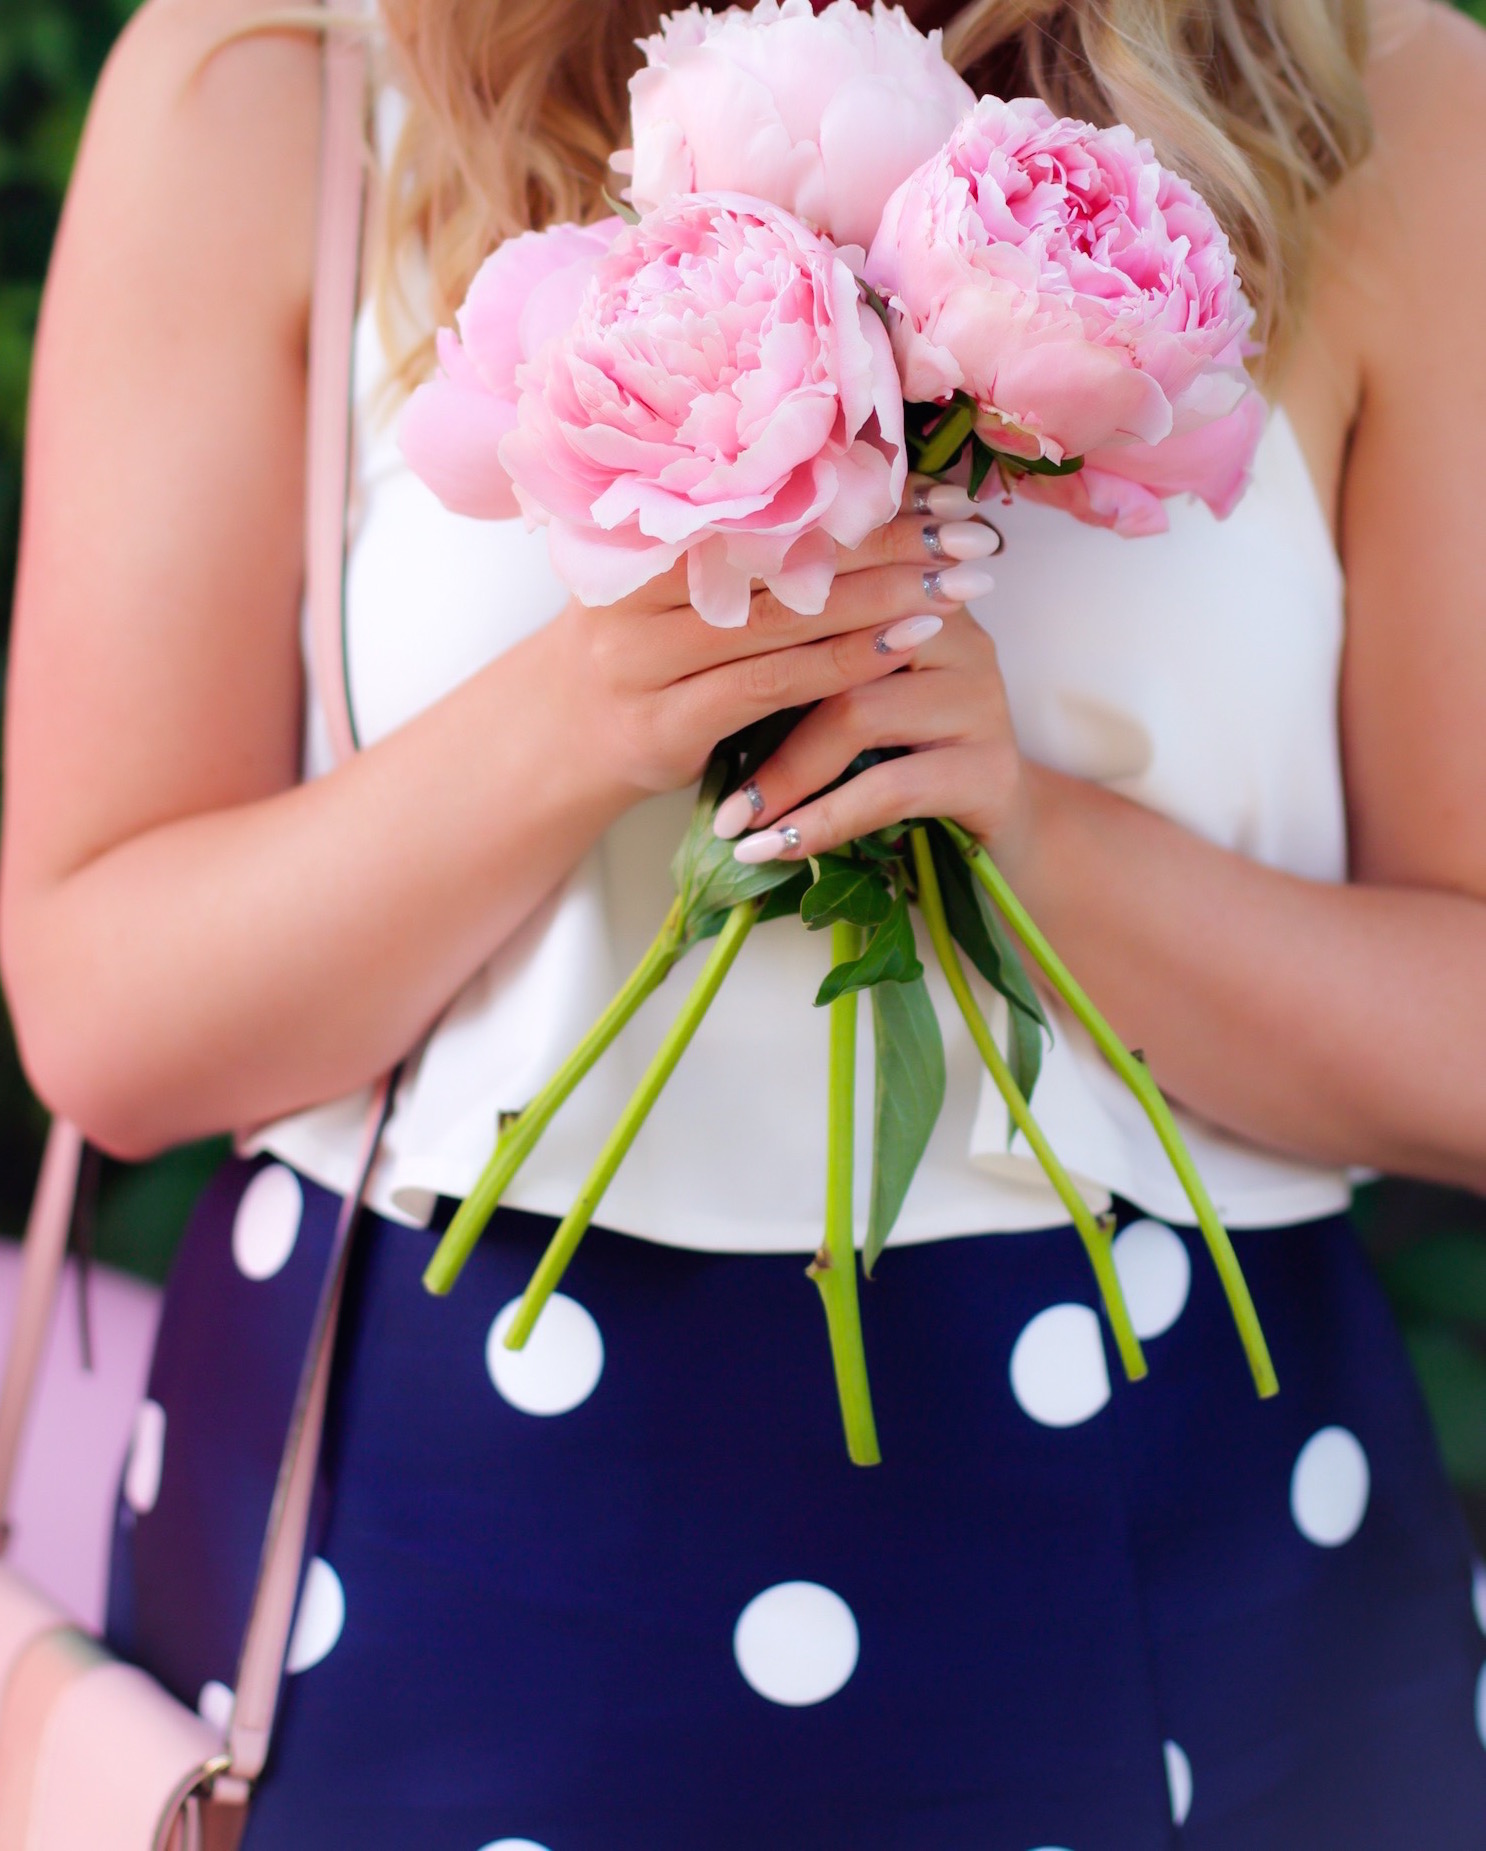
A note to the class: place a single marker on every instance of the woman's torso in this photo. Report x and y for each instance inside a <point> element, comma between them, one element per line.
<point>1195,672</point>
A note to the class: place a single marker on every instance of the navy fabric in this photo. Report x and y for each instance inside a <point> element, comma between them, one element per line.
<point>538,1634</point>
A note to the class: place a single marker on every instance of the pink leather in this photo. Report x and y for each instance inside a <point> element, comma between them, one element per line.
<point>78,1433</point>
<point>46,1246</point>
<point>117,1755</point>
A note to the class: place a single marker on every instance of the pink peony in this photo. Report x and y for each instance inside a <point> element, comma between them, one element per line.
<point>1085,298</point>
<point>452,429</point>
<point>707,382</point>
<point>824,114</point>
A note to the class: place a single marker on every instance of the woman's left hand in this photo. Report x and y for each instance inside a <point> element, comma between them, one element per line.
<point>948,706</point>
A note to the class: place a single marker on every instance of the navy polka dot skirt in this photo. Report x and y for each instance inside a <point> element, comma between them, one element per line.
<point>625,1593</point>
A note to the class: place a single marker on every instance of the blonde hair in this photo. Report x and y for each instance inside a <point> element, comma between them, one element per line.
<point>517,104</point>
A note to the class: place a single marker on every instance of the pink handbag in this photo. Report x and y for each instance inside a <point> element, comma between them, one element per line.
<point>94,1754</point>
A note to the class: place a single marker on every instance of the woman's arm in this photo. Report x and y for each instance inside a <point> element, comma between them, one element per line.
<point>1343,1024</point>
<point>191,939</point>
<point>1347,1024</point>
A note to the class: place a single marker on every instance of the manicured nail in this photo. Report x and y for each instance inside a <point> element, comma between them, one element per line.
<point>944,501</point>
<point>767,845</point>
<point>734,814</point>
<point>959,584</point>
<point>963,540</point>
<point>907,633</point>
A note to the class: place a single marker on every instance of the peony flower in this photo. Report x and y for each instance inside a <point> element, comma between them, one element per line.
<point>452,429</point>
<point>708,382</point>
<point>824,114</point>
<point>1085,299</point>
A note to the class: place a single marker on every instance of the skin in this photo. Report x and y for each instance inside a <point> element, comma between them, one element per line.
<point>191,939</point>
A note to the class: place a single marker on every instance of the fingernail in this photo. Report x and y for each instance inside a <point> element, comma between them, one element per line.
<point>734,814</point>
<point>959,584</point>
<point>907,633</point>
<point>965,539</point>
<point>767,845</point>
<point>945,502</point>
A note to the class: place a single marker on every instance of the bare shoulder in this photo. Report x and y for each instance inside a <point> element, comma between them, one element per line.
<point>1419,191</point>
<point>1414,673</point>
<point>202,142</point>
<point>1427,80</point>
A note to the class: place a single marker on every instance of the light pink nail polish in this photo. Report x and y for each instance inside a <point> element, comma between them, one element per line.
<point>962,583</point>
<point>734,814</point>
<point>969,540</point>
<point>908,633</point>
<point>767,845</point>
<point>944,501</point>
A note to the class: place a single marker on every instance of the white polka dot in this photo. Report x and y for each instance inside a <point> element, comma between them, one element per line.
<point>1478,1594</point>
<point>214,1705</point>
<point>266,1224</point>
<point>1329,1487</point>
<point>513,1844</point>
<point>796,1643</point>
<point>1155,1272</point>
<point>1481,1705</point>
<point>146,1464</point>
<point>1178,1781</point>
<point>1058,1371</point>
<point>561,1364</point>
<point>321,1617</point>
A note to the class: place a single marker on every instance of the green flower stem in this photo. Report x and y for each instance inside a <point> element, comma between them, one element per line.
<point>564,1243</point>
<point>1094,1232</point>
<point>834,1268</point>
<point>521,1138</point>
<point>946,440</point>
<point>1137,1077</point>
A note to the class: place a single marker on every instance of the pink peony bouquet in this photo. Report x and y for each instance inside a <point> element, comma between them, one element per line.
<point>707,382</point>
<point>1075,307</point>
<point>841,263</point>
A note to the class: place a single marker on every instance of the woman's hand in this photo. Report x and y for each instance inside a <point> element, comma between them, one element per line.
<point>949,710</point>
<point>659,687</point>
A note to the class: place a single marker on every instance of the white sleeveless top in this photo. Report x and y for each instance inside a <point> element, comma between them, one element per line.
<point>1194,672</point>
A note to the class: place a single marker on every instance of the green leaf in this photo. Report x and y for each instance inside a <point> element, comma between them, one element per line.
<point>982,462</point>
<point>891,956</point>
<point>846,889</point>
<point>709,881</point>
<point>719,883</point>
<point>621,208</point>
<point>909,1095</point>
<point>784,901</point>
<point>1452,1374</point>
<point>980,933</point>
<point>1443,1277</point>
<point>1045,466</point>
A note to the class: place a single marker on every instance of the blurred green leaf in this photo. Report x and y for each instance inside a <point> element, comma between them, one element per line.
<point>1443,1278</point>
<point>143,1209</point>
<point>1452,1374</point>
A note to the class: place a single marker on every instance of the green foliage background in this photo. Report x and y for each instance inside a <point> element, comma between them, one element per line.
<point>1430,1244</point>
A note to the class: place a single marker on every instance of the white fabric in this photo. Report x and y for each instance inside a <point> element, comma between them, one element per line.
<point>1195,672</point>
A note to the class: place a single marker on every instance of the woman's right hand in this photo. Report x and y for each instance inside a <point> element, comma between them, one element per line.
<point>653,687</point>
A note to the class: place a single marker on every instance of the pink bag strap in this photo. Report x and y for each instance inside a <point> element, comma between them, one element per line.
<point>260,1671</point>
<point>47,1228</point>
<point>340,228</point>
<point>340,231</point>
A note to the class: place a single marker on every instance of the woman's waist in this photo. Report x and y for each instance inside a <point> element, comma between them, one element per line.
<point>732,1157</point>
